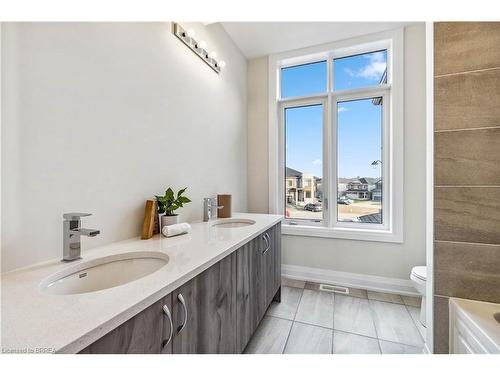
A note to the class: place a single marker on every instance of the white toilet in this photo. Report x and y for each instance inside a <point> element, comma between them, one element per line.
<point>419,278</point>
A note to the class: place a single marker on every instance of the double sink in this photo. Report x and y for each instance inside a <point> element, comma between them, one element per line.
<point>111,271</point>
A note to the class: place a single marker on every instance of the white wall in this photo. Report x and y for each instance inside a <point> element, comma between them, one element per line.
<point>362,257</point>
<point>257,159</point>
<point>98,117</point>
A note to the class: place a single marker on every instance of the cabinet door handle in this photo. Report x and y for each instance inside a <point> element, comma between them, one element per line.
<point>266,238</point>
<point>166,311</point>
<point>184,307</point>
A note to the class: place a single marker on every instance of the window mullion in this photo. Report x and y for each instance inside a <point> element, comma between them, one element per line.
<point>333,162</point>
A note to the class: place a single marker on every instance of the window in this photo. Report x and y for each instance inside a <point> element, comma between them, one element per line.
<point>304,143</point>
<point>363,70</point>
<point>359,155</point>
<point>312,78</point>
<point>336,139</point>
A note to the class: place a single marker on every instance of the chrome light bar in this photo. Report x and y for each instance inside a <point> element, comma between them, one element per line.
<point>197,48</point>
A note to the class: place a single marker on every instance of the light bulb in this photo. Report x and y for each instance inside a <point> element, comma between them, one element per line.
<point>202,44</point>
<point>191,33</point>
<point>212,55</point>
<point>222,63</point>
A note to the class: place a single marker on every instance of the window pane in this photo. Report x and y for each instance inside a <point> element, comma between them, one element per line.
<point>303,162</point>
<point>303,80</point>
<point>368,69</point>
<point>359,161</point>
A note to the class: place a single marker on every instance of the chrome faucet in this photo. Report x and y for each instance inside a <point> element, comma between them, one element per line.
<point>72,233</point>
<point>210,208</point>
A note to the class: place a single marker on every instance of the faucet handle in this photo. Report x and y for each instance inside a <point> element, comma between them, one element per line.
<point>74,215</point>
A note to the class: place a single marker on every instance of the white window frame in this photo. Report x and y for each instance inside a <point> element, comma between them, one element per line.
<point>391,230</point>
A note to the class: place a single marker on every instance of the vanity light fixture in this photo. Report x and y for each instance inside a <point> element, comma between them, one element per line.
<point>199,48</point>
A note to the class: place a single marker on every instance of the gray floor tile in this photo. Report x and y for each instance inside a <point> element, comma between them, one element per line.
<point>353,315</point>
<point>415,315</point>
<point>286,309</point>
<point>270,337</point>
<point>412,300</point>
<point>385,297</point>
<point>316,308</point>
<point>395,348</point>
<point>354,292</point>
<point>308,339</point>
<point>311,286</point>
<point>360,293</point>
<point>394,323</point>
<point>348,343</point>
<point>292,283</point>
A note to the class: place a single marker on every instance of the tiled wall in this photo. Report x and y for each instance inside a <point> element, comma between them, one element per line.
<point>467,167</point>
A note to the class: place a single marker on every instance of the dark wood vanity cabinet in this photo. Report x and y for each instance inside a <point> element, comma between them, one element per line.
<point>273,265</point>
<point>258,270</point>
<point>215,312</point>
<point>146,333</point>
<point>204,311</point>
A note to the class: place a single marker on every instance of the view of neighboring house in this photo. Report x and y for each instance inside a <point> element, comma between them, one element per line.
<point>377,192</point>
<point>360,188</point>
<point>301,188</point>
<point>319,189</point>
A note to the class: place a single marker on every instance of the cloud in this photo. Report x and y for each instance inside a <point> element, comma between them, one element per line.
<point>373,70</point>
<point>342,109</point>
<point>317,162</point>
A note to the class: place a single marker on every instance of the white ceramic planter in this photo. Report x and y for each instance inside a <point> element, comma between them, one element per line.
<point>169,220</point>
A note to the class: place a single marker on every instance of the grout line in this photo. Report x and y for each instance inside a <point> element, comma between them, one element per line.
<point>466,72</point>
<point>372,313</point>
<point>466,129</point>
<point>469,243</point>
<point>333,325</point>
<point>298,305</point>
<point>443,296</point>
<point>400,343</point>
<point>293,322</point>
<point>415,323</point>
<point>298,321</point>
<point>378,300</point>
<point>358,334</point>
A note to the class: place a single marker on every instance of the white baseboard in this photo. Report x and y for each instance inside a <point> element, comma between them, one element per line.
<point>353,280</point>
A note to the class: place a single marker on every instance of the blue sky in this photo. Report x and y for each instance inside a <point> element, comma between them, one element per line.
<point>359,122</point>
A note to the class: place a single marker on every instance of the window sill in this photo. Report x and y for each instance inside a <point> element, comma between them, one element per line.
<point>341,233</point>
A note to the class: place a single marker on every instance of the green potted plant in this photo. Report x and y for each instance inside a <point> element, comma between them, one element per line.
<point>168,203</point>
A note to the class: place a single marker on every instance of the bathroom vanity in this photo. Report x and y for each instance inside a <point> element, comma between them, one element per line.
<point>208,298</point>
<point>474,327</point>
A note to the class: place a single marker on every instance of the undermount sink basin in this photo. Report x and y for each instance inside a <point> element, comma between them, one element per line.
<point>233,223</point>
<point>104,273</point>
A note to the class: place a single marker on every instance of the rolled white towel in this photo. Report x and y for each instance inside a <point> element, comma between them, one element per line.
<point>176,229</point>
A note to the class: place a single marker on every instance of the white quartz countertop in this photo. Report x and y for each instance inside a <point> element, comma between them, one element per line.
<point>33,320</point>
<point>479,316</point>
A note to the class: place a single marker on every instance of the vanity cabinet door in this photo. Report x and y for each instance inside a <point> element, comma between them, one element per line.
<point>258,281</point>
<point>272,260</point>
<point>145,333</point>
<point>204,311</point>
<point>250,294</point>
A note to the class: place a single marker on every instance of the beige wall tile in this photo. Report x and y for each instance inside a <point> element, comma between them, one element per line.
<point>441,330</point>
<point>464,46</point>
<point>465,101</point>
<point>467,157</point>
<point>470,214</point>
<point>467,270</point>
